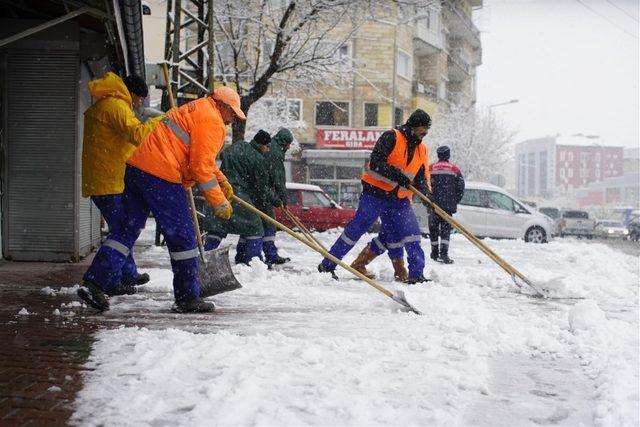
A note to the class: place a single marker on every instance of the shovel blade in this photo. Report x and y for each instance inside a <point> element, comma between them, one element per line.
<point>402,300</point>
<point>215,275</point>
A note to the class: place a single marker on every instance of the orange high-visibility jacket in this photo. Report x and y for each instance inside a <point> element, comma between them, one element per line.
<point>398,158</point>
<point>183,148</point>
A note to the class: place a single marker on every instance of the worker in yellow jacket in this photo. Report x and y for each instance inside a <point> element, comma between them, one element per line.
<point>111,134</point>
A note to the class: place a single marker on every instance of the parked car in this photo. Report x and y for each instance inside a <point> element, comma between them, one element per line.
<point>315,208</point>
<point>609,228</point>
<point>489,211</point>
<point>576,223</point>
<point>554,214</point>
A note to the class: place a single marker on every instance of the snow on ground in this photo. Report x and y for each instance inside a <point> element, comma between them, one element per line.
<point>294,347</point>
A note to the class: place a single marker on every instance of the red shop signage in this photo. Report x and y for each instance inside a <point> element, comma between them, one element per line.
<point>347,139</point>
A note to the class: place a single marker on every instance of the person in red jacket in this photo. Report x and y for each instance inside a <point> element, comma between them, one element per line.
<point>447,186</point>
<point>180,152</point>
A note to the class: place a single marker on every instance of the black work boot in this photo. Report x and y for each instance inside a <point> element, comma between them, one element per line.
<point>278,260</point>
<point>323,269</point>
<point>139,279</point>
<point>416,280</point>
<point>122,290</point>
<point>194,305</point>
<point>434,252</point>
<point>91,293</point>
<point>444,255</point>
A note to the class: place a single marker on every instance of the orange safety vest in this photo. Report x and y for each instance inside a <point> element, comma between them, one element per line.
<point>183,148</point>
<point>398,159</point>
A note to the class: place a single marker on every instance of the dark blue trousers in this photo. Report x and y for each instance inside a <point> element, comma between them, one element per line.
<point>145,193</point>
<point>269,244</point>
<point>112,209</point>
<point>399,222</point>
<point>246,249</point>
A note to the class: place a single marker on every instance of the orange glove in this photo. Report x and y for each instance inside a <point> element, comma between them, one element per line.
<point>223,210</point>
<point>227,190</point>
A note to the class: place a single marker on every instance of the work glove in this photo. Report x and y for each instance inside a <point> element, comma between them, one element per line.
<point>227,190</point>
<point>223,210</point>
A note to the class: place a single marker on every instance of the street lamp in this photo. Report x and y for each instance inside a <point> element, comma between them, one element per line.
<point>513,101</point>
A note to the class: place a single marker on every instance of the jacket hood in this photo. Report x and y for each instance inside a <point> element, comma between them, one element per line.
<point>109,85</point>
<point>280,140</point>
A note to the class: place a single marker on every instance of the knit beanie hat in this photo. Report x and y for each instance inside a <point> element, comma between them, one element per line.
<point>443,152</point>
<point>262,138</point>
<point>136,85</point>
<point>419,118</point>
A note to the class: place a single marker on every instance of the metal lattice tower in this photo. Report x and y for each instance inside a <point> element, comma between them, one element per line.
<point>189,47</point>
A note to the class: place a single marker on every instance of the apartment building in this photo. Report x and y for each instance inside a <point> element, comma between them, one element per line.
<point>415,59</point>
<point>553,166</point>
<point>408,59</point>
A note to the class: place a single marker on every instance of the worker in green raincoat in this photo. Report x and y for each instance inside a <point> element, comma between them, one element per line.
<point>280,143</point>
<point>244,165</point>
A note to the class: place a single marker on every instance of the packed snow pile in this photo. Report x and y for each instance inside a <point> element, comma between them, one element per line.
<point>293,347</point>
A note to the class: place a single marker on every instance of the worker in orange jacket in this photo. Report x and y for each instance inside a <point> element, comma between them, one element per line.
<point>181,151</point>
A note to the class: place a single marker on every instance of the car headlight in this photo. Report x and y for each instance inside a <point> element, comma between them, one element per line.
<point>625,232</point>
<point>610,231</point>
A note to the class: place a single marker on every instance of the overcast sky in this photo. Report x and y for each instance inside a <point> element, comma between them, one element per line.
<point>573,65</point>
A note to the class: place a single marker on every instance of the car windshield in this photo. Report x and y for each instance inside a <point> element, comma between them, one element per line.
<point>611,223</point>
<point>550,212</point>
<point>315,199</point>
<point>575,214</point>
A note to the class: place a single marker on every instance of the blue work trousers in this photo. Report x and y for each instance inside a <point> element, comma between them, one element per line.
<point>144,193</point>
<point>269,245</point>
<point>399,222</point>
<point>247,248</point>
<point>112,209</point>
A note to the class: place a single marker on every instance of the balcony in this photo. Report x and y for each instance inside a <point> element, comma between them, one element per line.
<point>460,67</point>
<point>427,37</point>
<point>460,24</point>
<point>427,89</point>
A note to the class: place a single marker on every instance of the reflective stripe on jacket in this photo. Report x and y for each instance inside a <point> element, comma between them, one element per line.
<point>398,158</point>
<point>183,148</point>
<point>111,133</point>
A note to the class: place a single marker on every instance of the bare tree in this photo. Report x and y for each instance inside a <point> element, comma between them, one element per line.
<point>272,114</point>
<point>288,43</point>
<point>479,143</point>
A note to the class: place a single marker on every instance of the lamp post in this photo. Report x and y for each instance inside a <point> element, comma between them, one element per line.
<point>513,101</point>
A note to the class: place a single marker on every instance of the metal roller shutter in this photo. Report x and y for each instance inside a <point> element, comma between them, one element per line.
<point>41,148</point>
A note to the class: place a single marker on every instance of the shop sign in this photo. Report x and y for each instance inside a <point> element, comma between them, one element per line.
<point>347,139</point>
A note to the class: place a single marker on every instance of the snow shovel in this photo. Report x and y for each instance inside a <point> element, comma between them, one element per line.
<point>484,248</point>
<point>397,297</point>
<point>303,228</point>
<point>214,270</point>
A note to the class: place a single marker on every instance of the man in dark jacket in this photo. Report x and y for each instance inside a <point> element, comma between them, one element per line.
<point>397,161</point>
<point>244,165</point>
<point>447,185</point>
<point>280,143</point>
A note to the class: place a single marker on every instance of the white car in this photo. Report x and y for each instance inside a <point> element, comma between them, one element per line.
<point>489,211</point>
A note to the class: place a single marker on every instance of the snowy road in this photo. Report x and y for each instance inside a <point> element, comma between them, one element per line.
<point>295,347</point>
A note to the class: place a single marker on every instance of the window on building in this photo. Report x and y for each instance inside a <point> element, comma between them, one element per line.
<point>404,65</point>
<point>584,157</point>
<point>562,155</point>
<point>289,108</point>
<point>598,157</point>
<point>348,172</point>
<point>370,115</point>
<point>570,156</point>
<point>398,118</point>
<point>332,113</point>
<point>321,172</point>
<point>562,173</point>
<point>146,10</point>
<point>570,173</point>
<point>583,173</point>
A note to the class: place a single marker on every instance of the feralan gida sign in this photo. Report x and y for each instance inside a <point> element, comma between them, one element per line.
<point>347,139</point>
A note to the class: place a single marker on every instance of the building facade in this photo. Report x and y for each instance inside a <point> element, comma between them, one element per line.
<point>416,59</point>
<point>552,166</point>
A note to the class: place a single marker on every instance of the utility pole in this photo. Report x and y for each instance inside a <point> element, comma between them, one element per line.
<point>190,47</point>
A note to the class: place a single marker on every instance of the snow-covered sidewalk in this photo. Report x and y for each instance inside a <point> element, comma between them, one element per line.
<point>294,347</point>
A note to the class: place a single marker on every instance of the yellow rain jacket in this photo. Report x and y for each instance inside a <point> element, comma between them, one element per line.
<point>111,134</point>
